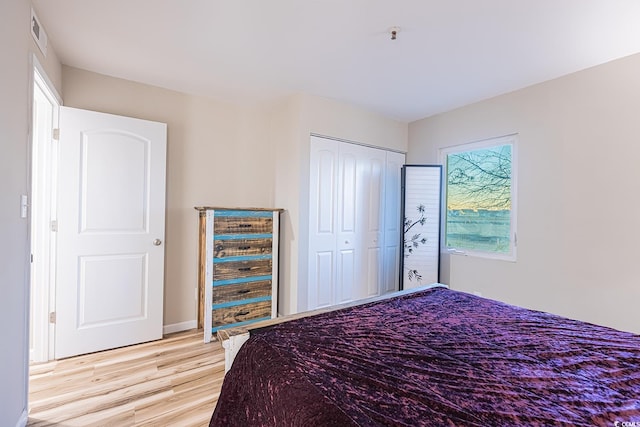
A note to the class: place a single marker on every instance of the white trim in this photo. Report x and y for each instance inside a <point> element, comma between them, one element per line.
<point>275,263</point>
<point>179,327</point>
<point>24,418</point>
<point>42,194</point>
<point>45,77</point>
<point>510,139</point>
<point>208,275</point>
<point>479,143</point>
<point>348,141</point>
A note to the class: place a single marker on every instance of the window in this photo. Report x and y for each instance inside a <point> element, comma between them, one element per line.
<point>480,198</point>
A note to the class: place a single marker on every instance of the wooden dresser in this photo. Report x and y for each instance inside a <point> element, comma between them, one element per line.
<point>238,259</point>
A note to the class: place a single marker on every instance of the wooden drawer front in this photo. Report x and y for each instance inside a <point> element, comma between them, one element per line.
<point>239,269</point>
<point>241,291</point>
<point>242,225</point>
<point>226,248</point>
<point>241,313</point>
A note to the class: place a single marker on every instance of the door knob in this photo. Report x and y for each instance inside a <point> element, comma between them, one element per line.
<point>157,242</point>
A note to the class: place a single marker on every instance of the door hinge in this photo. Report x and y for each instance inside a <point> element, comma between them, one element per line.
<point>52,317</point>
<point>56,134</point>
<point>54,225</point>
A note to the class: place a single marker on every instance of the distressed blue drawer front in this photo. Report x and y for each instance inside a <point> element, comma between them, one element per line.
<point>233,313</point>
<point>235,325</point>
<point>242,236</point>
<point>240,280</point>
<point>243,214</point>
<point>241,258</point>
<point>240,302</point>
<point>252,225</point>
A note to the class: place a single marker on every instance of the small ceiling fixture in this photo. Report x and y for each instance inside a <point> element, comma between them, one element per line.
<point>394,32</point>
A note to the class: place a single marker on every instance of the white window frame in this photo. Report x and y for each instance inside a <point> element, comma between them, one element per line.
<point>512,140</point>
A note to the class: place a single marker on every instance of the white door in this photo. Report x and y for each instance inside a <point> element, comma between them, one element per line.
<point>111,212</point>
<point>367,215</point>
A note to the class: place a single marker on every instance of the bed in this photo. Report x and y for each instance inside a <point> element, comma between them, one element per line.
<point>433,357</point>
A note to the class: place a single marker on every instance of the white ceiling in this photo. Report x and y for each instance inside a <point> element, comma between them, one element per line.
<point>448,52</point>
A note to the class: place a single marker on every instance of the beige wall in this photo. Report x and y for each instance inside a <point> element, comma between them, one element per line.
<point>217,155</point>
<point>222,154</point>
<point>14,45</point>
<point>578,175</point>
<point>293,121</point>
<point>16,48</point>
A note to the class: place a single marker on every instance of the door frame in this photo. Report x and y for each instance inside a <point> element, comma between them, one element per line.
<point>42,196</point>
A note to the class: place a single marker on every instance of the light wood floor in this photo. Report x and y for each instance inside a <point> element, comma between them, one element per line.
<point>172,382</point>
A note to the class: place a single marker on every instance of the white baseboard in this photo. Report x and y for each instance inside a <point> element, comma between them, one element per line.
<point>24,417</point>
<point>178,327</point>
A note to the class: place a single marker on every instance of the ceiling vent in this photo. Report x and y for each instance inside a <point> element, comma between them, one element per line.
<point>38,33</point>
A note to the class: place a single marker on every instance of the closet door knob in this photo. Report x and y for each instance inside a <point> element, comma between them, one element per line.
<point>157,242</point>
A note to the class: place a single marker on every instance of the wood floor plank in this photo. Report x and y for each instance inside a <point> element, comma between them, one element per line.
<point>177,402</point>
<point>68,388</point>
<point>174,381</point>
<point>45,383</point>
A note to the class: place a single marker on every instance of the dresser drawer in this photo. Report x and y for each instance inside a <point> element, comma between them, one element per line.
<point>241,247</point>
<point>240,269</point>
<point>240,313</point>
<point>242,225</point>
<point>240,291</point>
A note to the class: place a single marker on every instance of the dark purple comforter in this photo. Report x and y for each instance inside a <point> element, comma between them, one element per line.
<point>434,358</point>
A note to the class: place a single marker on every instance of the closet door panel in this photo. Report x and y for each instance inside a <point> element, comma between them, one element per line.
<point>391,270</point>
<point>323,270</point>
<point>347,193</point>
<point>323,185</point>
<point>348,200</point>
<point>325,208</point>
<point>375,189</point>
<point>346,276</point>
<point>392,222</point>
<point>373,161</point>
<point>371,287</point>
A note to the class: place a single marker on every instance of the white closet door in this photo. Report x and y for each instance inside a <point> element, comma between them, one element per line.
<point>323,185</point>
<point>349,237</point>
<point>370,221</point>
<point>348,240</point>
<point>392,223</point>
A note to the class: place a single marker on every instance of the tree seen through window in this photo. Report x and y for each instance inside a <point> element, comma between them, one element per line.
<point>479,199</point>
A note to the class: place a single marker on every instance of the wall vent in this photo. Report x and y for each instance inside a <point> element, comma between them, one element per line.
<point>38,33</point>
